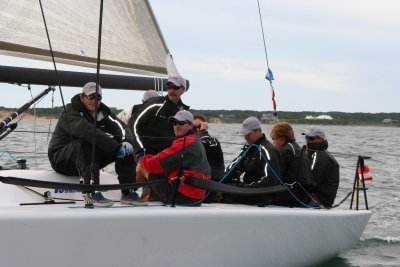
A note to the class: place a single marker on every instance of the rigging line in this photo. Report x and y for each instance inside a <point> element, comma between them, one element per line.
<point>269,72</point>
<point>52,57</point>
<point>92,171</point>
<point>34,127</point>
<point>262,31</point>
<point>56,71</point>
<point>51,119</point>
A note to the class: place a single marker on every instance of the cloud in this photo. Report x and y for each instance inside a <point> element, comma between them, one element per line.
<point>321,76</point>
<point>331,76</point>
<point>225,68</point>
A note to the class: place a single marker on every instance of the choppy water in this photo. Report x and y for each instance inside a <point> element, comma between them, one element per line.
<point>380,243</point>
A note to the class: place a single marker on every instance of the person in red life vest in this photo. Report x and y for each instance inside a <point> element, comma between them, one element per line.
<point>324,167</point>
<point>186,155</point>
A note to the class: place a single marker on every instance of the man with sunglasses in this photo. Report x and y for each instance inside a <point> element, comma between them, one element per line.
<point>70,148</point>
<point>185,156</point>
<point>324,167</point>
<point>149,124</point>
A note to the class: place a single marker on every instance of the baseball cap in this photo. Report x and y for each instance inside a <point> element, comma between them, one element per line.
<point>182,115</point>
<point>177,81</point>
<point>315,132</point>
<point>250,124</point>
<point>90,88</point>
<point>149,94</point>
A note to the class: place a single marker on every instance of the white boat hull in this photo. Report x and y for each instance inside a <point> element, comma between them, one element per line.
<point>212,235</point>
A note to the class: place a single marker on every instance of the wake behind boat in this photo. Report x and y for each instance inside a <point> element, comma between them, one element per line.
<point>43,226</point>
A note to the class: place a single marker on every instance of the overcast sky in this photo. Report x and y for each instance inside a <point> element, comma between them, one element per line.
<point>325,55</point>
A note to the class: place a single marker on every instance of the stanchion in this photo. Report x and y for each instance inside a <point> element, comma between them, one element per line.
<point>359,176</point>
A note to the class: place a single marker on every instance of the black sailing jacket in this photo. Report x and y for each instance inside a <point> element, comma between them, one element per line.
<point>325,170</point>
<point>110,131</point>
<point>150,127</point>
<point>254,165</point>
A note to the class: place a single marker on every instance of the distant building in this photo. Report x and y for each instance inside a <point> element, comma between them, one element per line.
<point>387,121</point>
<point>228,116</point>
<point>268,117</point>
<point>320,117</point>
<point>215,120</point>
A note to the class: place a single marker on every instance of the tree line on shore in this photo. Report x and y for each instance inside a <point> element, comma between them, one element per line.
<point>237,116</point>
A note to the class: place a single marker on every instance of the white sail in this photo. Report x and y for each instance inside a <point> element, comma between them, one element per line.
<point>131,38</point>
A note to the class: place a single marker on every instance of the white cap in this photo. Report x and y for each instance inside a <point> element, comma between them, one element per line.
<point>90,88</point>
<point>182,115</point>
<point>314,132</point>
<point>149,94</point>
<point>177,80</point>
<point>250,124</point>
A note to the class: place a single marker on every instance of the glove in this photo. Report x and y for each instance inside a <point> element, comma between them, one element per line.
<point>121,153</point>
<point>128,148</point>
<point>125,149</point>
<point>138,155</point>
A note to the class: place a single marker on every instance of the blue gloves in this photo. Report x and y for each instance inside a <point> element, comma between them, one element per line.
<point>128,148</point>
<point>139,155</point>
<point>125,149</point>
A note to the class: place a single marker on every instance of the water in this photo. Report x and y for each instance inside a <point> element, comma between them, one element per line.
<point>380,243</point>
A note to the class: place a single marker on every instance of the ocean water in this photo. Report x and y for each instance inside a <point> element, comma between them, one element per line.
<point>380,242</point>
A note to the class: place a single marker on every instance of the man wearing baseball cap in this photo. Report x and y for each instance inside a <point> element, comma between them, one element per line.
<point>258,159</point>
<point>185,156</point>
<point>70,148</point>
<point>324,167</point>
<point>150,125</point>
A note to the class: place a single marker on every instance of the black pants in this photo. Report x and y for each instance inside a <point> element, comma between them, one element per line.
<point>163,192</point>
<point>76,159</point>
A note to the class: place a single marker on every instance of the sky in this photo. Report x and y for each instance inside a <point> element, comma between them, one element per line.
<point>326,56</point>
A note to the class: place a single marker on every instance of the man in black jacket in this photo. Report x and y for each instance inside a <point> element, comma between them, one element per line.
<point>151,129</point>
<point>324,167</point>
<point>259,160</point>
<point>215,156</point>
<point>70,148</point>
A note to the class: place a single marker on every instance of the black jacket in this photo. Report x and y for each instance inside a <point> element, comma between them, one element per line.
<point>295,166</point>
<point>151,129</point>
<point>214,154</point>
<point>256,169</point>
<point>110,130</point>
<point>325,170</point>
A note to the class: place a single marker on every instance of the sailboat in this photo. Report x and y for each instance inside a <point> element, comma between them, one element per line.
<point>49,226</point>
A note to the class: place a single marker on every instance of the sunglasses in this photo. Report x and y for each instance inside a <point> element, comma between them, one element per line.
<point>311,138</point>
<point>179,123</point>
<point>93,96</point>
<point>173,87</point>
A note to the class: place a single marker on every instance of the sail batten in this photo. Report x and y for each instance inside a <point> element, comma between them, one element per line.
<point>132,41</point>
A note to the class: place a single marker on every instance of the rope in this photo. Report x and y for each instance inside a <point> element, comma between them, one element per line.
<point>262,31</point>
<point>56,71</point>
<point>92,164</point>
<point>269,75</point>
<point>343,200</point>
<point>34,127</point>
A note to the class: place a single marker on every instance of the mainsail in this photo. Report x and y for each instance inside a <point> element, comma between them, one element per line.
<point>131,38</point>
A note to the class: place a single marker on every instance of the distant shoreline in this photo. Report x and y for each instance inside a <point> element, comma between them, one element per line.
<point>266,117</point>
<point>25,116</point>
